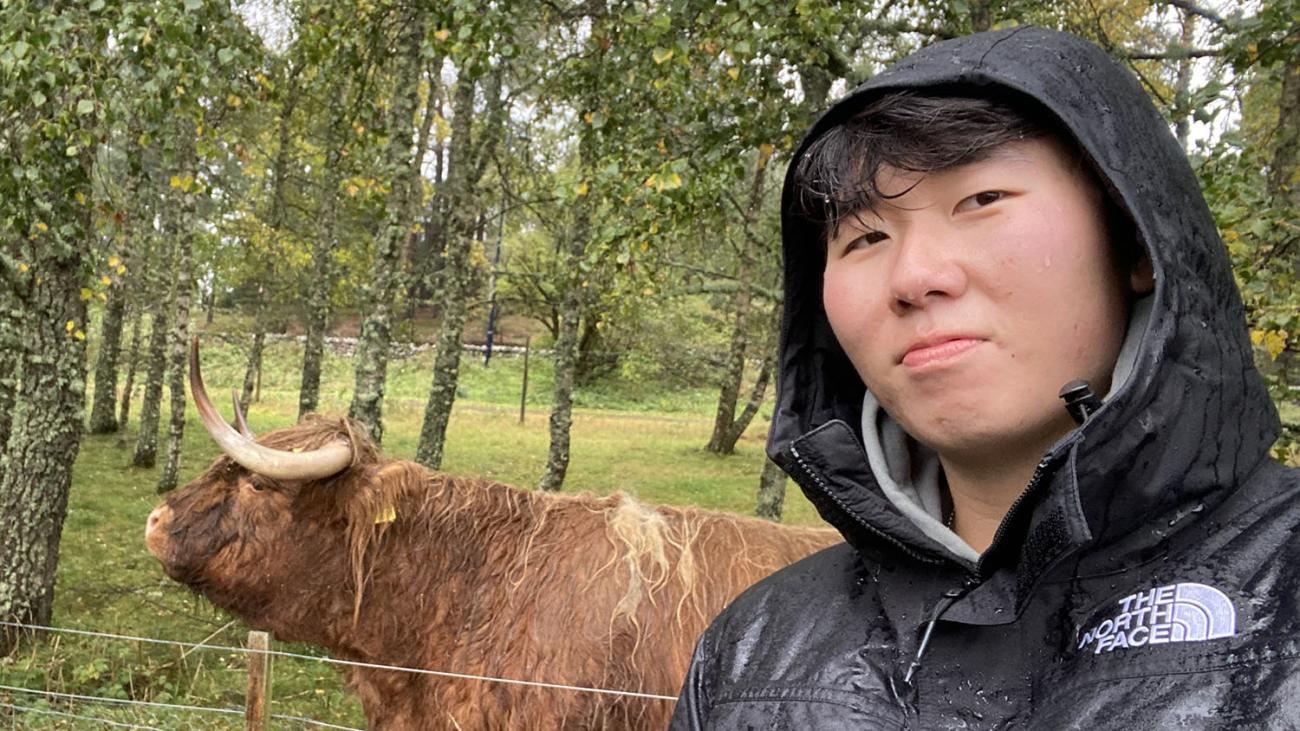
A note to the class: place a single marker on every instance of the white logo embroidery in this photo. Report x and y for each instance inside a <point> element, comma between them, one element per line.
<point>1175,613</point>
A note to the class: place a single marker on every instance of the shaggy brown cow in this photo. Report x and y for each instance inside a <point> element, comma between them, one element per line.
<point>310,533</point>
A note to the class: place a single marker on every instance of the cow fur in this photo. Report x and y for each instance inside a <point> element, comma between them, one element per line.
<point>388,563</point>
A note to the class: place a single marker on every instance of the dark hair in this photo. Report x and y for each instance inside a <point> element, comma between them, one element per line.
<point>916,132</point>
<point>925,132</point>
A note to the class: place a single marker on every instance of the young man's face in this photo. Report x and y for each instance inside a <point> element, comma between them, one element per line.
<point>968,301</point>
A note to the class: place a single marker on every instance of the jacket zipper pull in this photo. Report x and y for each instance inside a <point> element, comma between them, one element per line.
<point>949,598</point>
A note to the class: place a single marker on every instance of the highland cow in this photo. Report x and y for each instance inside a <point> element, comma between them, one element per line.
<point>310,533</point>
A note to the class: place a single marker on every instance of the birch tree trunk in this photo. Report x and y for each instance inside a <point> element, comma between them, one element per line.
<point>725,433</point>
<point>103,412</point>
<point>253,366</point>
<point>402,168</point>
<point>146,443</point>
<point>132,357</point>
<point>458,273</point>
<point>10,361</point>
<point>48,413</point>
<point>322,263</point>
<point>182,231</point>
<point>575,247</point>
<point>771,492</point>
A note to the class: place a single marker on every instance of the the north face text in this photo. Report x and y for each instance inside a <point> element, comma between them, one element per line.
<point>1175,613</point>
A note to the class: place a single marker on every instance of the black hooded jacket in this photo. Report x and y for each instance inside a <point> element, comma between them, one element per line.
<point>1148,577</point>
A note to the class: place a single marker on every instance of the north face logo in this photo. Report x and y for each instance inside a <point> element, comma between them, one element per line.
<point>1174,613</point>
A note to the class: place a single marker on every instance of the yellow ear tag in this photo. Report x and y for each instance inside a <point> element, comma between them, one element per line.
<point>387,515</point>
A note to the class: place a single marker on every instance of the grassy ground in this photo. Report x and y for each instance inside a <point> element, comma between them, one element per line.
<point>643,442</point>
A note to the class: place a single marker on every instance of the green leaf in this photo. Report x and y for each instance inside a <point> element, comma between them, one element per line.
<point>37,98</point>
<point>193,5</point>
<point>86,106</point>
<point>95,6</point>
<point>225,55</point>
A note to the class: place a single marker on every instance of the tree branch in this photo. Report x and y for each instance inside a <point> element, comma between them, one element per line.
<point>1196,10</point>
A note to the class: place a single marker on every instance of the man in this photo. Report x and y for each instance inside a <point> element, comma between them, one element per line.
<point>990,220</point>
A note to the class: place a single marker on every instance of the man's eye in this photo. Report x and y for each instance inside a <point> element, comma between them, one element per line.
<point>981,199</point>
<point>867,239</point>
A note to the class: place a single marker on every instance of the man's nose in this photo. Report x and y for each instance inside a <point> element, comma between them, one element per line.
<point>926,266</point>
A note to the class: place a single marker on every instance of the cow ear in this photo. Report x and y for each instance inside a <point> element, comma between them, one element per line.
<point>381,490</point>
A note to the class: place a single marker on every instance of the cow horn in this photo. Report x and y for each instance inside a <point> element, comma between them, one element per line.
<point>274,463</point>
<point>241,417</point>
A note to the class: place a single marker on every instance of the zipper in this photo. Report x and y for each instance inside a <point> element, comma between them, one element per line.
<point>1039,473</point>
<point>824,489</point>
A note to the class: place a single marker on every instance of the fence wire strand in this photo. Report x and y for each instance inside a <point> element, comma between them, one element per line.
<point>353,663</point>
<point>312,722</point>
<point>105,721</point>
<point>121,701</point>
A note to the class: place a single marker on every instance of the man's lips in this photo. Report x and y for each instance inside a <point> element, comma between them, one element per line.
<point>934,350</point>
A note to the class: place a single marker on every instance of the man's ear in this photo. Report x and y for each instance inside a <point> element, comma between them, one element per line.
<point>1142,278</point>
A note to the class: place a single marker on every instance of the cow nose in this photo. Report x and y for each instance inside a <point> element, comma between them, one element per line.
<point>154,519</point>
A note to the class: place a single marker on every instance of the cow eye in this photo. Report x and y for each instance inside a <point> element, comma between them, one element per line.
<point>256,486</point>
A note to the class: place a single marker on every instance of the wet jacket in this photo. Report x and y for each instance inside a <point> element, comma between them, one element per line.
<point>1149,575</point>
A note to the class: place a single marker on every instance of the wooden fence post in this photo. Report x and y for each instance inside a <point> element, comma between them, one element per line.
<point>523,396</point>
<point>257,703</point>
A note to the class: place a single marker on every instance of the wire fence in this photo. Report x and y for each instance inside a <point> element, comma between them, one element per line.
<point>249,651</point>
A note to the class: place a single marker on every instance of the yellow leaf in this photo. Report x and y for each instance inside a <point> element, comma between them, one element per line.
<point>661,55</point>
<point>121,269</point>
<point>105,280</point>
<point>663,149</point>
<point>1256,337</point>
<point>114,261</point>
<point>352,190</point>
<point>674,181</point>
<point>767,148</point>
<point>581,189</point>
<point>234,100</point>
<point>79,335</point>
<point>198,130</point>
<point>68,327</point>
<point>86,294</point>
<point>360,129</point>
<point>22,268</point>
<point>102,297</point>
<point>81,197</point>
<point>734,73</point>
<point>40,226</point>
<point>1275,343</point>
<point>443,34</point>
<point>175,182</point>
<point>588,117</point>
<point>651,181</point>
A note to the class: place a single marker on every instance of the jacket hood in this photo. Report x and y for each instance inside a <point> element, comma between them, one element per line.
<point>1193,414</point>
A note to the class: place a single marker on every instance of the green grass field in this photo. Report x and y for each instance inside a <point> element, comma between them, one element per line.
<point>640,441</point>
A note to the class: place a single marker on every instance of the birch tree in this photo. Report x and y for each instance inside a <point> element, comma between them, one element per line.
<point>401,166</point>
